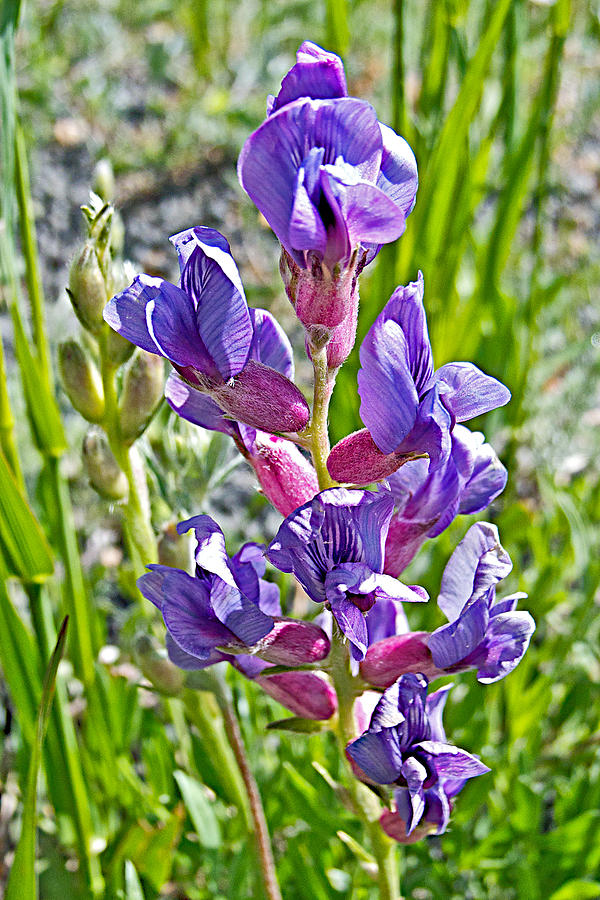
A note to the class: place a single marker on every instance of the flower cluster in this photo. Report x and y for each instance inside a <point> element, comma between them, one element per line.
<point>334,184</point>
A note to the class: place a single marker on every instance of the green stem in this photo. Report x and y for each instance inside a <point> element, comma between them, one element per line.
<point>324,381</point>
<point>138,532</point>
<point>365,802</point>
<point>261,829</point>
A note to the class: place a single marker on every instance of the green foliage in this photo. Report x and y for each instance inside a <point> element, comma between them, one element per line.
<point>134,796</point>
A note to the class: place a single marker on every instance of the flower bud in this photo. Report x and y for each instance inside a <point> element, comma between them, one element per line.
<point>104,180</point>
<point>160,671</point>
<point>81,381</point>
<point>403,541</point>
<point>293,643</point>
<point>102,468</point>
<point>356,459</point>
<point>87,288</point>
<point>306,694</point>
<point>286,477</point>
<point>174,549</point>
<point>142,392</point>
<point>392,657</point>
<point>263,398</point>
<point>118,348</point>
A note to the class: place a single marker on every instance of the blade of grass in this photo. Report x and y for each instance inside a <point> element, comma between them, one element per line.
<point>21,882</point>
<point>23,542</point>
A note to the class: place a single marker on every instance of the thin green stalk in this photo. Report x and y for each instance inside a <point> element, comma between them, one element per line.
<point>319,431</point>
<point>7,424</point>
<point>259,821</point>
<point>366,804</point>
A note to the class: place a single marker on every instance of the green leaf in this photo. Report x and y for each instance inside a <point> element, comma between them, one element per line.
<point>297,724</point>
<point>41,406</point>
<point>21,882</point>
<point>133,887</point>
<point>200,809</point>
<point>24,546</point>
<point>578,889</point>
<point>19,662</point>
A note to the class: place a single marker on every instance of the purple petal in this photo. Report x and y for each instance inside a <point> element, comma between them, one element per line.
<point>211,278</point>
<point>415,775</point>
<point>434,708</point>
<point>431,430</point>
<point>150,585</point>
<point>317,74</point>
<point>487,481</point>
<point>469,392</point>
<point>190,618</point>
<point>405,307</point>
<point>507,604</point>
<point>271,157</point>
<point>389,400</point>
<point>197,407</point>
<point>507,639</point>
<point>126,313</point>
<point>478,563</point>
<point>398,177</point>
<point>352,623</point>
<point>370,215</point>
<point>378,755</point>
<point>306,229</point>
<point>270,344</point>
<point>452,643</point>
<point>452,762</point>
<point>191,663</point>
<point>172,324</point>
<point>386,619</point>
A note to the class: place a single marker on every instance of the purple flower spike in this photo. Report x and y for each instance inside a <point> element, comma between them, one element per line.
<point>205,329</point>
<point>429,498</point>
<point>227,607</point>
<point>334,547</point>
<point>408,408</point>
<point>483,633</point>
<point>405,745</point>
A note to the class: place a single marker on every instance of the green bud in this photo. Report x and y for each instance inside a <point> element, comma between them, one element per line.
<point>118,348</point>
<point>160,671</point>
<point>102,468</point>
<point>175,549</point>
<point>104,180</point>
<point>142,392</point>
<point>87,288</point>
<point>81,381</point>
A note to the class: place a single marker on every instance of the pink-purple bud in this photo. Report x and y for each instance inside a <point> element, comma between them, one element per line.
<point>306,694</point>
<point>392,657</point>
<point>318,296</point>
<point>356,459</point>
<point>395,827</point>
<point>263,398</point>
<point>343,337</point>
<point>287,478</point>
<point>293,643</point>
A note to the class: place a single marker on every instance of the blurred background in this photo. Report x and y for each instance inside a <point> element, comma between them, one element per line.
<point>500,102</point>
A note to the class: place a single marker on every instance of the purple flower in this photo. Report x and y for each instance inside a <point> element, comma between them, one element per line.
<point>227,607</point>
<point>334,547</point>
<point>408,408</point>
<point>429,498</point>
<point>483,633</point>
<point>438,803</point>
<point>405,745</point>
<point>286,477</point>
<point>206,331</point>
<point>332,182</point>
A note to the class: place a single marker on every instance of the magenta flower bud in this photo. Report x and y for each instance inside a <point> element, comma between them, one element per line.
<point>306,694</point>
<point>392,657</point>
<point>263,398</point>
<point>287,478</point>
<point>404,539</point>
<point>293,643</point>
<point>356,459</point>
